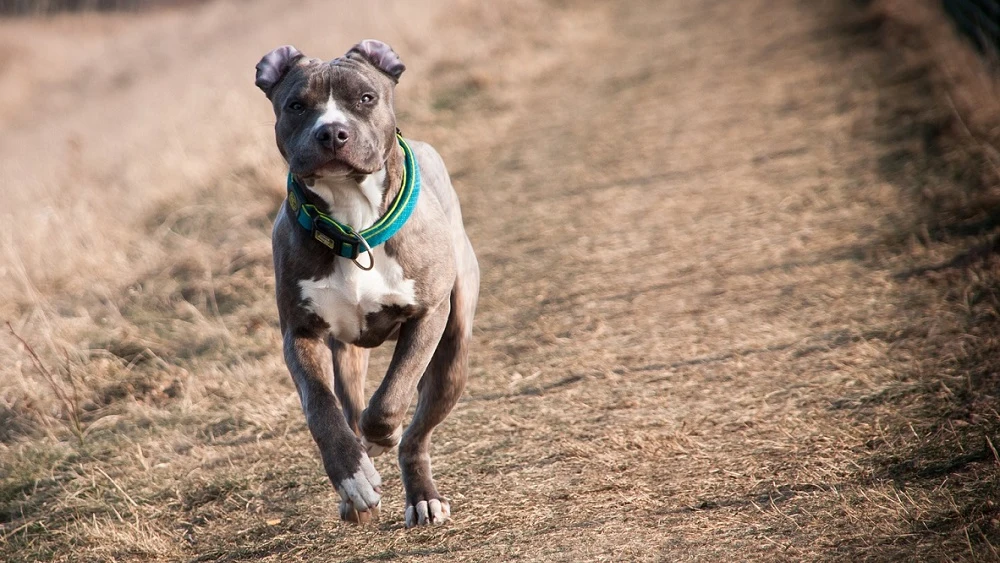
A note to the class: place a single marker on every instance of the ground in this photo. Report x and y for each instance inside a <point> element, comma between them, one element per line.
<point>739,296</point>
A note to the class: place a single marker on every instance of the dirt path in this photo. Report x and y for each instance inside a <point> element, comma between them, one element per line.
<point>691,328</point>
<point>703,169</point>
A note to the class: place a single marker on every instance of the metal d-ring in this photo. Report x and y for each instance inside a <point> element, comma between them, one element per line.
<point>368,249</point>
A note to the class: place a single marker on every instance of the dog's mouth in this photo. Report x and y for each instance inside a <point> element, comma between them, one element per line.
<point>335,168</point>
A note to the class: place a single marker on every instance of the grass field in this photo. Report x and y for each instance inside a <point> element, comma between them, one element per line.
<point>740,297</point>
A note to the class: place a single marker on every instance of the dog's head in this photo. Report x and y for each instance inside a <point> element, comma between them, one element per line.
<point>333,117</point>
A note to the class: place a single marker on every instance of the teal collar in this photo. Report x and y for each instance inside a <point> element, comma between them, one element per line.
<point>343,239</point>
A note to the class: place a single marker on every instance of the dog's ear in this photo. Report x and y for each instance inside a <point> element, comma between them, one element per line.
<point>380,55</point>
<point>273,67</point>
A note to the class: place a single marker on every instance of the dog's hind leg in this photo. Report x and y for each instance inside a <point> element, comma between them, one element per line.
<point>439,390</point>
<point>350,365</point>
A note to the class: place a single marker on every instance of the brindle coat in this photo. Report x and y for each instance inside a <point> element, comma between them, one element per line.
<point>432,326</point>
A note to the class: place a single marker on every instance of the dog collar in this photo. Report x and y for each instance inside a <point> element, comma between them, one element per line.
<point>343,239</point>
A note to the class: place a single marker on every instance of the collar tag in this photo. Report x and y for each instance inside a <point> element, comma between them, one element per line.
<point>329,242</point>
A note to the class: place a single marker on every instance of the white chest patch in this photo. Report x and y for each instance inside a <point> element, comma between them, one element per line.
<point>344,298</point>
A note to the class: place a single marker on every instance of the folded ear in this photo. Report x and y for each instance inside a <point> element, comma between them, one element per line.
<point>273,67</point>
<point>380,55</point>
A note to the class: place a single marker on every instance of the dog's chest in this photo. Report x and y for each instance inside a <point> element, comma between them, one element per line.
<point>345,298</point>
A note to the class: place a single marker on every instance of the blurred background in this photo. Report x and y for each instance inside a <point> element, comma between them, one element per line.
<point>740,284</point>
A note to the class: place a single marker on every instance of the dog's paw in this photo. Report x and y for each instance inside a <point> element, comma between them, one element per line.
<point>361,493</point>
<point>379,447</point>
<point>427,512</point>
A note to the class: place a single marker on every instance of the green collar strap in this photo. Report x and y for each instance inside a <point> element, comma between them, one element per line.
<point>343,239</point>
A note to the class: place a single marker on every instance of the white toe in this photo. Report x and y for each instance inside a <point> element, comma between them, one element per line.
<point>438,511</point>
<point>422,512</point>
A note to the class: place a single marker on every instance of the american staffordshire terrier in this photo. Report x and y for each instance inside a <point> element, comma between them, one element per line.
<point>369,246</point>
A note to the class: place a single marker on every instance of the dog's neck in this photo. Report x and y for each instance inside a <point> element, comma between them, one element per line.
<point>358,201</point>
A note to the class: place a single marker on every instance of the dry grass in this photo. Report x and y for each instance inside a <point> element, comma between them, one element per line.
<point>755,315</point>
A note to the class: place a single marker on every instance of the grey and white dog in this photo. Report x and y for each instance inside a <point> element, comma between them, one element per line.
<point>336,128</point>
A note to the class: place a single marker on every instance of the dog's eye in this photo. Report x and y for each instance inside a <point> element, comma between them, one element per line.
<point>367,98</point>
<point>296,106</point>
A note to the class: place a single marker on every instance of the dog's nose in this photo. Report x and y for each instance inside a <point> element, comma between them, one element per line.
<point>332,135</point>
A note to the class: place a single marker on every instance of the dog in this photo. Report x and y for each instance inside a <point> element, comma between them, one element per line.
<point>369,246</point>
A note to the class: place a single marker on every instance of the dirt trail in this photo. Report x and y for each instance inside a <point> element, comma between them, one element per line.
<point>690,329</point>
<point>685,274</point>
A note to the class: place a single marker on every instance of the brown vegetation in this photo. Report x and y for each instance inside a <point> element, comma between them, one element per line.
<point>740,285</point>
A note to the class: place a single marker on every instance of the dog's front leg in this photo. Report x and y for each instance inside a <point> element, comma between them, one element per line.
<point>381,422</point>
<point>348,466</point>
